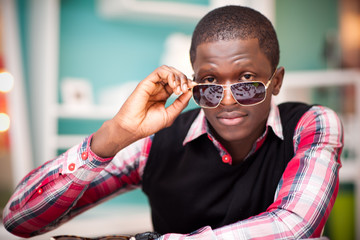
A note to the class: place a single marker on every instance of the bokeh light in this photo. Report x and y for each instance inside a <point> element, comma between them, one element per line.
<point>6,82</point>
<point>4,122</point>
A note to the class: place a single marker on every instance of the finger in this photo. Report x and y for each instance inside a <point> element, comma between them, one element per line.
<point>169,78</point>
<point>161,74</point>
<point>177,87</point>
<point>184,82</point>
<point>174,81</point>
<point>180,84</point>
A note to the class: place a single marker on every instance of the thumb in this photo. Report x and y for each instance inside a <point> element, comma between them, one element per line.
<point>178,106</point>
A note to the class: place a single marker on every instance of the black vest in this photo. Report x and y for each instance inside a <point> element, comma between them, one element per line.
<point>190,187</point>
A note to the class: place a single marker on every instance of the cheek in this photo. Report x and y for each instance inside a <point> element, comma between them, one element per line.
<point>210,114</point>
<point>258,117</point>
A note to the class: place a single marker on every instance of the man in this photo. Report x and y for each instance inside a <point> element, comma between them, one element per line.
<point>239,168</point>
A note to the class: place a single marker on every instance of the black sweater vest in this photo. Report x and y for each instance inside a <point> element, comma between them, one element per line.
<point>190,187</point>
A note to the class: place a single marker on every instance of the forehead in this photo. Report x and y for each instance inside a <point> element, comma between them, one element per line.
<point>230,52</point>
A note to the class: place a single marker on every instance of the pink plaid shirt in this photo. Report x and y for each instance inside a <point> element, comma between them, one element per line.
<point>78,180</point>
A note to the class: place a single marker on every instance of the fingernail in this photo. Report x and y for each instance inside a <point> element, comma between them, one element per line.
<point>184,87</point>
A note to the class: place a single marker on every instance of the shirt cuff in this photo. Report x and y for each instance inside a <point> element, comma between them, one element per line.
<point>82,164</point>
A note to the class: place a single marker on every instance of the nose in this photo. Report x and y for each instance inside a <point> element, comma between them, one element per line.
<point>228,98</point>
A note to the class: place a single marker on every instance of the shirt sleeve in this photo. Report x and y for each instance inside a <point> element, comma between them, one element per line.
<point>68,185</point>
<point>306,192</point>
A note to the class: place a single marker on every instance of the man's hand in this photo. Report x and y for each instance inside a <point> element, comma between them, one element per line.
<point>144,112</point>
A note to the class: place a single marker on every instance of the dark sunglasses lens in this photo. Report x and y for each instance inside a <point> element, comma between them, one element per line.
<point>207,95</point>
<point>248,93</point>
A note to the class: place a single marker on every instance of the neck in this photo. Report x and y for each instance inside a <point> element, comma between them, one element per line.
<point>237,153</point>
<point>240,149</point>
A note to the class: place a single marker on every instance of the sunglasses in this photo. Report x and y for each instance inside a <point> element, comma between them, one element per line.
<point>208,95</point>
<point>73,237</point>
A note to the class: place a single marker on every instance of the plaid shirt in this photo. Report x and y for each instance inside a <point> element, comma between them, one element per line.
<point>78,180</point>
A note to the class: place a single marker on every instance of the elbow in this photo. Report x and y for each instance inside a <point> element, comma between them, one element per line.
<point>14,224</point>
<point>303,227</point>
<point>15,231</point>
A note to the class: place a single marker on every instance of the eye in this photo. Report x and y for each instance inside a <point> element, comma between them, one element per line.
<point>208,80</point>
<point>247,77</point>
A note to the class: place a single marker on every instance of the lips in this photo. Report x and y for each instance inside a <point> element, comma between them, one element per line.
<point>231,118</point>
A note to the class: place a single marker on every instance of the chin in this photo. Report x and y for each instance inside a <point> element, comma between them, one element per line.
<point>233,136</point>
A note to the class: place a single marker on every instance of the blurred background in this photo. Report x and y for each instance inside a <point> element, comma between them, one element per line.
<point>67,66</point>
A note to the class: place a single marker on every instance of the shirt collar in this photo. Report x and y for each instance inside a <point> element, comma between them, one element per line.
<point>274,121</point>
<point>200,126</point>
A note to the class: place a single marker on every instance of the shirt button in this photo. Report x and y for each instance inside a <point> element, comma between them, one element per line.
<point>40,191</point>
<point>71,166</point>
<point>226,158</point>
<point>84,155</point>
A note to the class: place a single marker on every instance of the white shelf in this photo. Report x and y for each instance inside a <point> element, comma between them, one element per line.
<point>156,10</point>
<point>87,111</point>
<point>67,141</point>
<point>316,78</point>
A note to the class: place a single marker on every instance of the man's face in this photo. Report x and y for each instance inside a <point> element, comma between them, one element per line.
<point>226,62</point>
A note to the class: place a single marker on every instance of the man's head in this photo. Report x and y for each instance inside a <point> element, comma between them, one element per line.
<point>234,45</point>
<point>236,22</point>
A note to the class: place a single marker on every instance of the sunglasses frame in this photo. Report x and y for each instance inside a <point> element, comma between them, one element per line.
<point>228,87</point>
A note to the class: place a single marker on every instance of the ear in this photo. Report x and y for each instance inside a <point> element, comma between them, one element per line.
<point>277,80</point>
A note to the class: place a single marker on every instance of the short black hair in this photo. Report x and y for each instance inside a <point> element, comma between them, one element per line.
<point>237,22</point>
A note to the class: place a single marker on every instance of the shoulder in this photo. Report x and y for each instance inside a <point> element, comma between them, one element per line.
<point>319,124</point>
<point>291,113</point>
<point>291,109</point>
<point>320,115</point>
<point>306,113</point>
<point>316,120</point>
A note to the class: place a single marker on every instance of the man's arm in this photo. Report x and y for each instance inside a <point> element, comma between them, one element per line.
<point>306,192</point>
<point>62,188</point>
<point>68,185</point>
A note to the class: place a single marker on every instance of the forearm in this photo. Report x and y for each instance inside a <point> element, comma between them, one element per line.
<point>52,191</point>
<point>32,217</point>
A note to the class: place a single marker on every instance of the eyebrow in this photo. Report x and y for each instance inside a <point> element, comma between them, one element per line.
<point>207,71</point>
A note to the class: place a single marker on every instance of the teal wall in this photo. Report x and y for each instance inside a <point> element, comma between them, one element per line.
<point>302,26</point>
<point>109,52</point>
